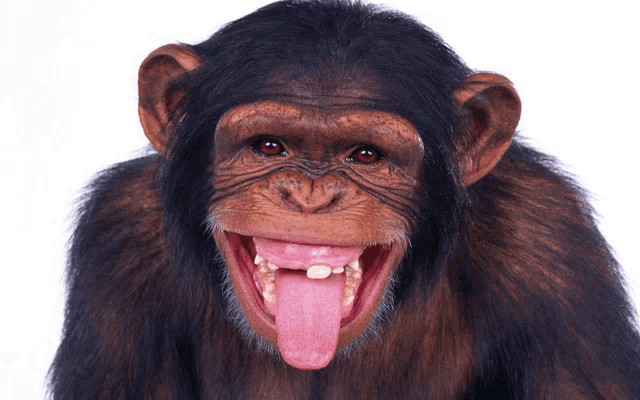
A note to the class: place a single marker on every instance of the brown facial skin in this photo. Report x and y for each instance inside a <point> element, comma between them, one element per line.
<point>318,183</point>
<point>315,188</point>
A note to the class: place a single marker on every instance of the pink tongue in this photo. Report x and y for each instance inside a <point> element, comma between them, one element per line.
<point>308,318</point>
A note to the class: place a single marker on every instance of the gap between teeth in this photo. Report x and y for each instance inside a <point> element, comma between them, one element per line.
<point>352,270</point>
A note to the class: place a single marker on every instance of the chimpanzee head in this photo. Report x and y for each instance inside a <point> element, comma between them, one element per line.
<point>322,148</point>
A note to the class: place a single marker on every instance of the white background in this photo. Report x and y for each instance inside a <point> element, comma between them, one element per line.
<point>68,108</point>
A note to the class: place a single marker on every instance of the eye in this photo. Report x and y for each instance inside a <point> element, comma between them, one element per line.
<point>269,147</point>
<point>365,155</point>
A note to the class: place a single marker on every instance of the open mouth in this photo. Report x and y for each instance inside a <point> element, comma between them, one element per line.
<point>307,296</point>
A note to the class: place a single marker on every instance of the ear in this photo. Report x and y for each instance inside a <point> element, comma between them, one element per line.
<point>158,96</point>
<point>492,108</point>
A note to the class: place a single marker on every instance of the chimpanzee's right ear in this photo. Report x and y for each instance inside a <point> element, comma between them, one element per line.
<point>157,96</point>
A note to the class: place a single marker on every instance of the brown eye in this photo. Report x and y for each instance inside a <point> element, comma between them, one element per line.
<point>269,147</point>
<point>365,155</point>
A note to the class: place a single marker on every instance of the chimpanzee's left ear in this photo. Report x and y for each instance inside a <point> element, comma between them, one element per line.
<point>492,108</point>
<point>157,96</point>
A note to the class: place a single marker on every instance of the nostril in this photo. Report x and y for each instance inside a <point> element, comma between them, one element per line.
<point>285,195</point>
<point>310,196</point>
<point>289,201</point>
<point>335,200</point>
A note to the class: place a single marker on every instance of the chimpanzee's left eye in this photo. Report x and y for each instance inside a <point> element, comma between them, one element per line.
<point>269,147</point>
<point>365,155</point>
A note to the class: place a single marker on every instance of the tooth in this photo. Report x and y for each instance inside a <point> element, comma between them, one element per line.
<point>269,297</point>
<point>268,278</point>
<point>348,300</point>
<point>318,271</point>
<point>263,269</point>
<point>353,274</point>
<point>272,266</point>
<point>338,270</point>
<point>258,260</point>
<point>268,287</point>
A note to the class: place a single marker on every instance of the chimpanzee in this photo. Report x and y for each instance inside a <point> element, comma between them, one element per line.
<point>338,209</point>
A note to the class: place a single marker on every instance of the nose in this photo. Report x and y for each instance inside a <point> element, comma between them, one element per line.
<point>308,195</point>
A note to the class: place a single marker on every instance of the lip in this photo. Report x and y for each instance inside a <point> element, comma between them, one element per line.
<point>377,261</point>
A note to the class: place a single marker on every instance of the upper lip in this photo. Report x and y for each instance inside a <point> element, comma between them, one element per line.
<point>292,255</point>
<point>301,238</point>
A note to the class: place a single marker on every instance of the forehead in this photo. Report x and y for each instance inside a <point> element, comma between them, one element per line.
<point>256,116</point>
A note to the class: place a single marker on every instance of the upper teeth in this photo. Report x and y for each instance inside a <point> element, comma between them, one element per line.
<point>319,271</point>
